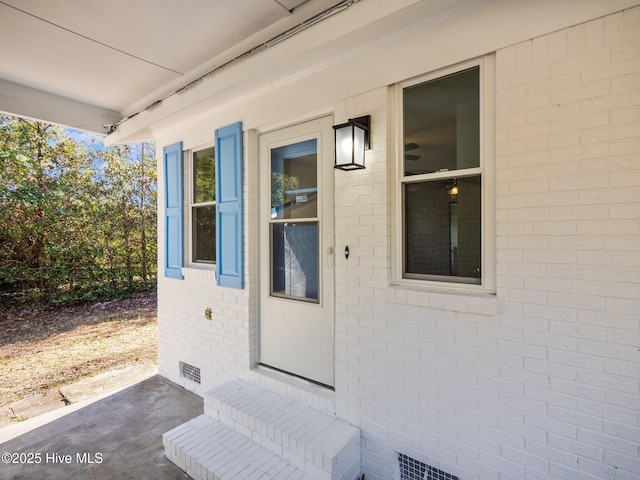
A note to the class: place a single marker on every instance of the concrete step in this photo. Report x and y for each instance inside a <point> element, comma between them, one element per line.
<point>208,450</point>
<point>315,442</point>
<point>312,395</point>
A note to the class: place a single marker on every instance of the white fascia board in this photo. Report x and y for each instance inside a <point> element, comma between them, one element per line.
<point>22,101</point>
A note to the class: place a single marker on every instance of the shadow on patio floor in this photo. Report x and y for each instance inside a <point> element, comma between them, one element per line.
<point>119,436</point>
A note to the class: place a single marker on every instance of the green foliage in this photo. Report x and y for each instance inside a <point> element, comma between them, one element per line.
<point>77,224</point>
<point>205,176</point>
<point>280,185</point>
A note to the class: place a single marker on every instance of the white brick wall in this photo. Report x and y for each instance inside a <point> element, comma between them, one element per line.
<point>224,346</point>
<point>589,169</point>
<point>543,383</point>
<point>540,381</point>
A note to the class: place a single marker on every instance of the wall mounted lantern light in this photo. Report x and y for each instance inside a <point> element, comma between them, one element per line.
<point>352,139</point>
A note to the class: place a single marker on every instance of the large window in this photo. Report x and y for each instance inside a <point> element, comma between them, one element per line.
<point>442,178</point>
<point>202,196</point>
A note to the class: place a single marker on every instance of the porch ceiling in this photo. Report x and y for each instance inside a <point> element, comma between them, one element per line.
<point>90,63</point>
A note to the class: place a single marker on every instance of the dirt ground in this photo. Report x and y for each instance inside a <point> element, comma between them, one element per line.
<point>42,351</point>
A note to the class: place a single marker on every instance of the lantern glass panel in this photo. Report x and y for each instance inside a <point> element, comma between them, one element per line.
<point>344,145</point>
<point>358,145</point>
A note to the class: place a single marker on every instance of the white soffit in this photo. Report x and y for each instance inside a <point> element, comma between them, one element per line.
<point>110,55</point>
<point>376,43</point>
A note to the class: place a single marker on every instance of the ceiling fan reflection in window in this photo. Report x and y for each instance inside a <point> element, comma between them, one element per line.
<point>407,148</point>
<point>408,157</point>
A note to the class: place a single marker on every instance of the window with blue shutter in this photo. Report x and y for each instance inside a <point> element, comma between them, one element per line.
<point>173,225</point>
<point>229,203</point>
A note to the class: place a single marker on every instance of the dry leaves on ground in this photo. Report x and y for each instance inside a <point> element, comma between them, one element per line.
<point>43,350</point>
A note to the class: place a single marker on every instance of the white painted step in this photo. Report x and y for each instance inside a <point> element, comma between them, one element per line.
<point>208,450</point>
<point>315,442</point>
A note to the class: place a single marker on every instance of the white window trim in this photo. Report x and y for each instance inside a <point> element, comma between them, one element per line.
<point>190,261</point>
<point>487,170</point>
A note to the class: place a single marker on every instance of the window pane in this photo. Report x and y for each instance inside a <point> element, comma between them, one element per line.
<point>443,229</point>
<point>442,124</point>
<point>294,183</point>
<point>204,176</point>
<point>294,260</point>
<point>204,233</point>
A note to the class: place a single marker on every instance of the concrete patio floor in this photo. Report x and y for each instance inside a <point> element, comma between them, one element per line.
<point>119,435</point>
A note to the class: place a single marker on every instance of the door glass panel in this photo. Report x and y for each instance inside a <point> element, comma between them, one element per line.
<point>294,244</point>
<point>294,181</point>
<point>294,260</point>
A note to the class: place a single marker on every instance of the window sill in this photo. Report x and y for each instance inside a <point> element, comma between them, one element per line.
<point>199,271</point>
<point>463,299</point>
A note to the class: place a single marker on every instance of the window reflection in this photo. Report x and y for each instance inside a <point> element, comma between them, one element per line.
<point>443,229</point>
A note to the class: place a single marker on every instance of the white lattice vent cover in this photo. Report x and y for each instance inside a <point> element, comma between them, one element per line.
<point>190,372</point>
<point>412,469</point>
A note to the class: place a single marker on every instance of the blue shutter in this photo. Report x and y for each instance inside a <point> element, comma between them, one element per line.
<point>173,211</point>
<point>229,202</point>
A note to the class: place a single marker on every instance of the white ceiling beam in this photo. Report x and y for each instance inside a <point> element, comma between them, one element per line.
<point>38,105</point>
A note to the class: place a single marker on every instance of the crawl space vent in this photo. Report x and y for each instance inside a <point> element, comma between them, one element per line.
<point>190,372</point>
<point>412,469</point>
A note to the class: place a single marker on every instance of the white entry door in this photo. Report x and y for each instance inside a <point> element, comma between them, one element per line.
<point>296,250</point>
